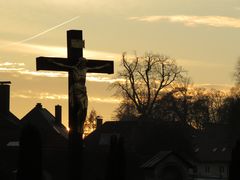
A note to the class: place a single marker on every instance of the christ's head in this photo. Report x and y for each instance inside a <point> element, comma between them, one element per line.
<point>82,63</point>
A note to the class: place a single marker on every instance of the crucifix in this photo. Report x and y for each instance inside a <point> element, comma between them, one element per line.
<point>77,67</point>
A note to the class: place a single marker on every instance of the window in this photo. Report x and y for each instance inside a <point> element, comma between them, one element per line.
<point>207,169</point>
<point>195,170</point>
<point>214,149</point>
<point>221,169</point>
<point>196,150</point>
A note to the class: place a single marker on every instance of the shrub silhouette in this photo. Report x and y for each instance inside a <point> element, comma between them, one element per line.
<point>234,167</point>
<point>30,155</point>
<point>116,159</point>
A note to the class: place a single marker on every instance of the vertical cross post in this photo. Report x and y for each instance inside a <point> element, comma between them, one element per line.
<point>75,52</point>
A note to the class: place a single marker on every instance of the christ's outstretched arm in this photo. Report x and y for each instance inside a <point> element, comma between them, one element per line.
<point>99,67</point>
<point>61,65</point>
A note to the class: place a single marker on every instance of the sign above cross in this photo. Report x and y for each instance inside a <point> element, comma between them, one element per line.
<point>77,67</point>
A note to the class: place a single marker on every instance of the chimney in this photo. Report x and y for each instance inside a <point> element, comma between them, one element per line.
<point>99,121</point>
<point>58,114</point>
<point>4,96</point>
<point>38,105</point>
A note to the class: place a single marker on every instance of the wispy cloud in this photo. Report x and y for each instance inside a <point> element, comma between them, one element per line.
<point>95,78</point>
<point>223,87</point>
<point>21,69</point>
<point>104,100</point>
<point>43,95</point>
<point>9,66</point>
<point>213,21</point>
<point>51,96</point>
<point>55,51</point>
<point>236,8</point>
<point>194,63</point>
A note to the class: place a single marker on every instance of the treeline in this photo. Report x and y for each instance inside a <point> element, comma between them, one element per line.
<point>154,87</point>
<point>195,106</point>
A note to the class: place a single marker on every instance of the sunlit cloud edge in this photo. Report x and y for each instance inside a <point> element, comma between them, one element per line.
<point>52,96</point>
<point>192,21</point>
<point>19,68</point>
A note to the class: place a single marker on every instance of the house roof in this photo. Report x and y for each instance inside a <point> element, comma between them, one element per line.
<point>156,159</point>
<point>9,128</point>
<point>214,144</point>
<point>53,134</point>
<point>144,138</point>
<point>9,118</point>
<point>161,156</point>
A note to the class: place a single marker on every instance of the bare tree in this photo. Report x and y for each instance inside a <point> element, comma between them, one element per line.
<point>182,94</point>
<point>144,78</point>
<point>216,101</point>
<point>90,123</point>
<point>126,111</point>
<point>237,73</point>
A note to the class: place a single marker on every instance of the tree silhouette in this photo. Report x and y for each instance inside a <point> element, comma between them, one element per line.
<point>90,123</point>
<point>144,79</point>
<point>236,74</point>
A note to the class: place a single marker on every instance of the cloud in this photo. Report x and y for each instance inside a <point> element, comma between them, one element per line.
<point>54,51</point>
<point>223,87</point>
<point>105,100</point>
<point>194,63</point>
<point>96,78</point>
<point>213,21</point>
<point>10,66</point>
<point>43,95</point>
<point>7,64</point>
<point>52,96</point>
<point>20,69</point>
<point>236,8</point>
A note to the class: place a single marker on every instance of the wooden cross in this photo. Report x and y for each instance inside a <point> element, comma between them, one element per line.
<point>77,67</point>
<point>73,63</point>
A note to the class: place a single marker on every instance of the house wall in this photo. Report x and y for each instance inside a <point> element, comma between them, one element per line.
<point>211,171</point>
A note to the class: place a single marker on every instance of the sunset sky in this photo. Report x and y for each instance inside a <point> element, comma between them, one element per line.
<point>203,37</point>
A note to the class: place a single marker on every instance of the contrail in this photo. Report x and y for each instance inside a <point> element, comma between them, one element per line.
<point>41,33</point>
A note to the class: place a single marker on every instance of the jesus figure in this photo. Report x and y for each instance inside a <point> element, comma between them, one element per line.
<point>78,92</point>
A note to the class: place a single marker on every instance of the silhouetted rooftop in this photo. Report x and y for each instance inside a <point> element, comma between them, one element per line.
<point>9,128</point>
<point>161,156</point>
<point>148,138</point>
<point>53,134</point>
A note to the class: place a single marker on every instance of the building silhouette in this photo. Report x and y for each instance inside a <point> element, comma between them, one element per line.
<point>53,134</point>
<point>154,150</point>
<point>9,133</point>
<point>127,150</point>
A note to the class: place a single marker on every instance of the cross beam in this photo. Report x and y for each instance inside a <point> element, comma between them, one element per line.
<point>91,63</point>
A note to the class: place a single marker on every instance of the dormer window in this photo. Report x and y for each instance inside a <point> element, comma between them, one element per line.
<point>207,169</point>
<point>196,150</point>
<point>224,149</point>
<point>214,149</point>
<point>221,169</point>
